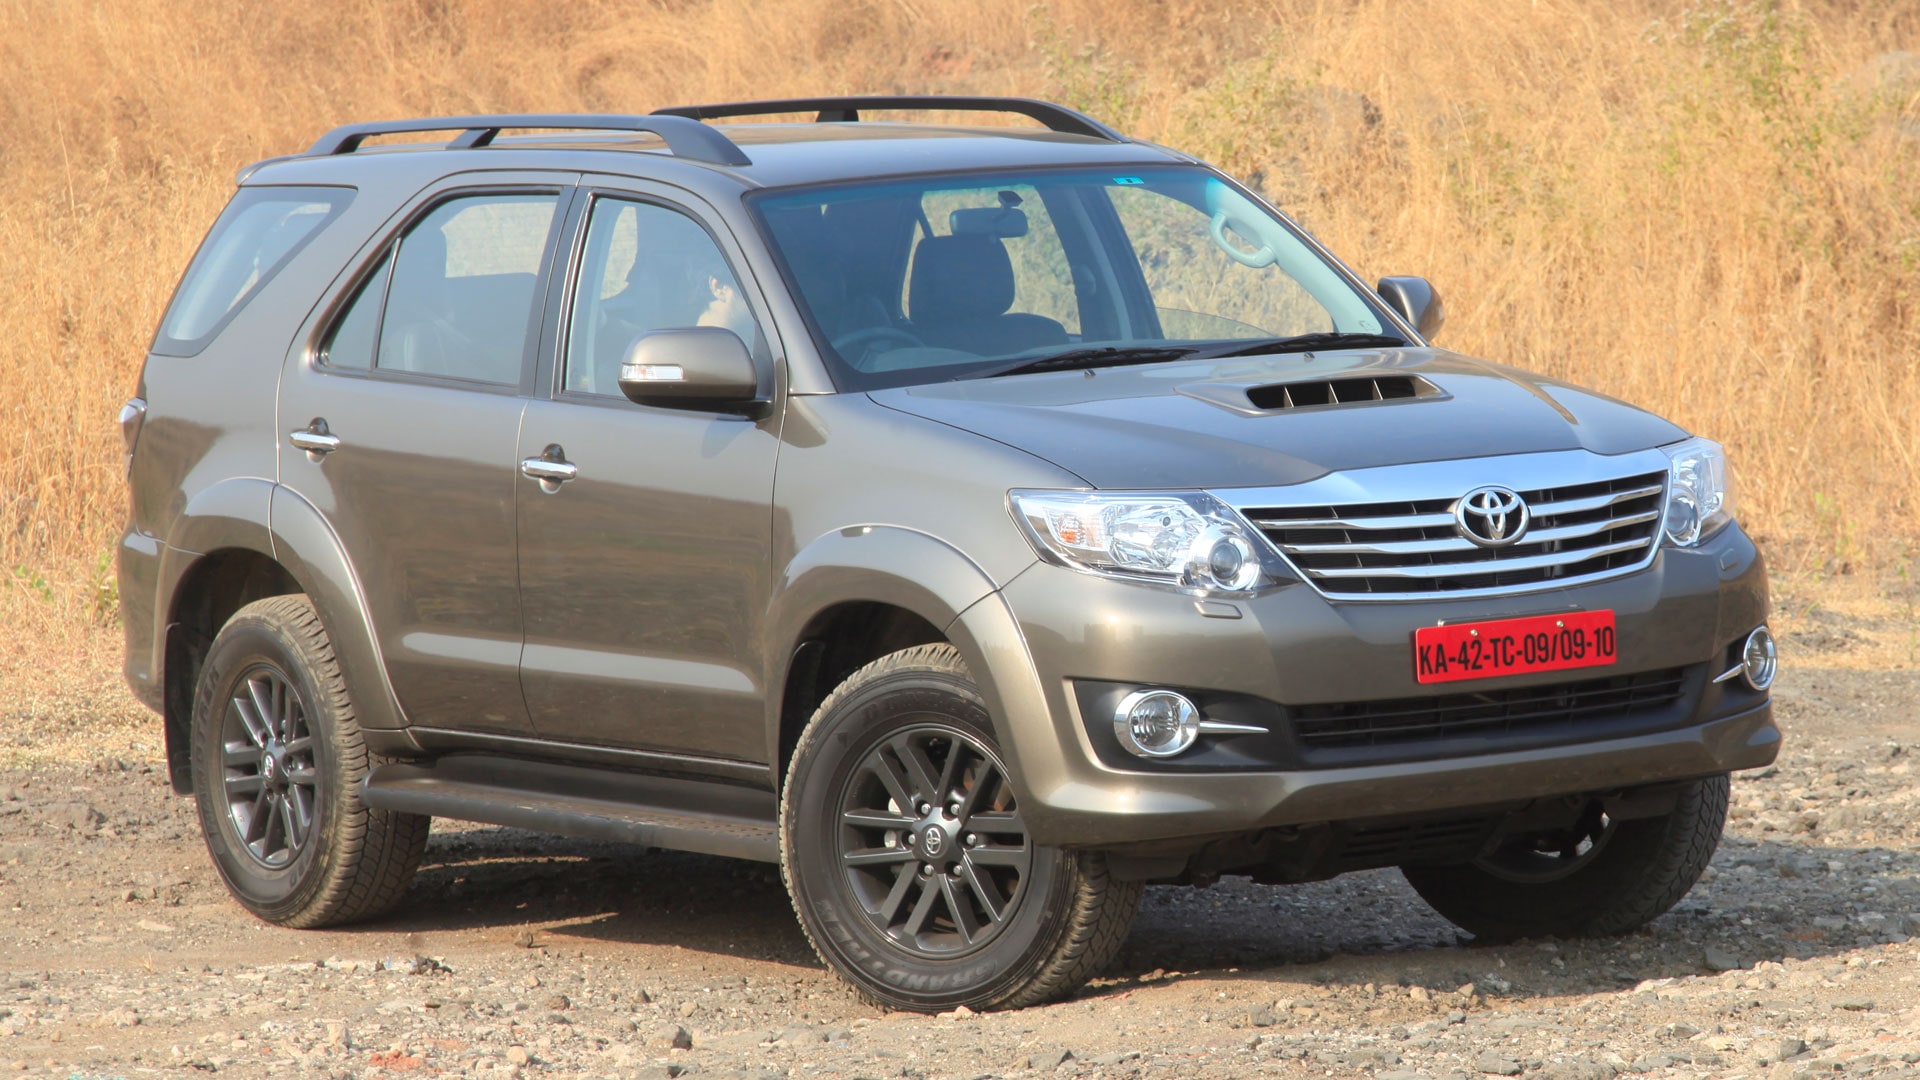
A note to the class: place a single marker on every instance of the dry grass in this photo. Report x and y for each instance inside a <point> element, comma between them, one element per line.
<point>1708,208</point>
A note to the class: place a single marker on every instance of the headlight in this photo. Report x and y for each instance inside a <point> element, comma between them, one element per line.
<point>1699,491</point>
<point>1186,539</point>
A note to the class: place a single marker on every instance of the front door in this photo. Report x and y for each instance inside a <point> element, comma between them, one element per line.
<point>401,429</point>
<point>644,577</point>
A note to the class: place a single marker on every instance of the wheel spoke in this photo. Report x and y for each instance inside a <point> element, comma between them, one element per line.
<point>236,754</point>
<point>992,855</point>
<point>876,819</point>
<point>981,784</point>
<point>917,921</point>
<point>296,820</point>
<point>892,779</point>
<point>950,771</point>
<point>304,775</point>
<point>890,907</point>
<point>882,856</point>
<point>919,769</point>
<point>997,822</point>
<point>250,722</point>
<point>964,918</point>
<point>984,888</point>
<point>301,745</point>
<point>264,704</point>
<point>243,785</point>
<point>257,821</point>
<point>283,825</point>
<point>282,716</point>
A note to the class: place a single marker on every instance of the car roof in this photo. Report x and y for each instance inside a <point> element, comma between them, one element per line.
<point>678,149</point>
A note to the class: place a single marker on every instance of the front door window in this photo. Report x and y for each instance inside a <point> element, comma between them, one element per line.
<point>645,268</point>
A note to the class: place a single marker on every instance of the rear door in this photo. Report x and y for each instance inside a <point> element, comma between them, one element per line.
<point>401,428</point>
<point>644,578</point>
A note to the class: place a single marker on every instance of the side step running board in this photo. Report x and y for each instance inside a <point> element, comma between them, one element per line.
<point>601,804</point>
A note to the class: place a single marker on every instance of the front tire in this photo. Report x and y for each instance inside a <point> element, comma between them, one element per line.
<point>908,860</point>
<point>1598,879</point>
<point>277,763</point>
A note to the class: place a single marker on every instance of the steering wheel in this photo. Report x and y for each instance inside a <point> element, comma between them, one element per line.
<point>1256,259</point>
<point>861,342</point>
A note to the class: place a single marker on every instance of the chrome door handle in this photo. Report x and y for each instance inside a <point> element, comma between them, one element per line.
<point>551,468</point>
<point>557,471</point>
<point>315,439</point>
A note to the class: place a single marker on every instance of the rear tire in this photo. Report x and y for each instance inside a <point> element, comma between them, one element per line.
<point>908,861</point>
<point>277,763</point>
<point>1599,880</point>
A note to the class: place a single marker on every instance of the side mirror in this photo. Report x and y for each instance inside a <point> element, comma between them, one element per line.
<point>1417,301</point>
<point>692,367</point>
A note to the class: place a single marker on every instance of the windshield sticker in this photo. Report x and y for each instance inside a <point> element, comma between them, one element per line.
<point>1128,180</point>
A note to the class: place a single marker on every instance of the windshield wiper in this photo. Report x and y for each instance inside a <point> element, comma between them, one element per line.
<point>1302,343</point>
<point>1104,356</point>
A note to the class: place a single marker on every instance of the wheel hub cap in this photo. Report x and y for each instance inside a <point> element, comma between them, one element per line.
<point>937,840</point>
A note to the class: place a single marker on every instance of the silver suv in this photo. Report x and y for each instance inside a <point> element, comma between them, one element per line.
<point>979,522</point>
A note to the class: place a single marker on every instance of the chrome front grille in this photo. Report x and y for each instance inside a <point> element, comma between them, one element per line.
<point>1411,549</point>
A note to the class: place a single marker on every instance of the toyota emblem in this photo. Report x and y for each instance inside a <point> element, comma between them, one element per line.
<point>1491,516</point>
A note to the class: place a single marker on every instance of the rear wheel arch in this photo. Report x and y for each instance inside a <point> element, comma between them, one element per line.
<point>214,587</point>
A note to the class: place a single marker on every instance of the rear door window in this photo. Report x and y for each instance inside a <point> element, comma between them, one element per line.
<point>460,302</point>
<point>259,233</point>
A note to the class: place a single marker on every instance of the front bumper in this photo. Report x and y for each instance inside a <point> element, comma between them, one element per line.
<point>1051,633</point>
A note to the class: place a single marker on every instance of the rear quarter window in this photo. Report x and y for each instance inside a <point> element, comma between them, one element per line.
<point>258,233</point>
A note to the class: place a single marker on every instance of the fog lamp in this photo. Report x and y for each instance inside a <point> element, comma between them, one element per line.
<point>1758,659</point>
<point>1156,723</point>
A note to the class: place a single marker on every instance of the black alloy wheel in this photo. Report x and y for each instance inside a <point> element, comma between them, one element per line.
<point>268,773</point>
<point>911,863</point>
<point>932,843</point>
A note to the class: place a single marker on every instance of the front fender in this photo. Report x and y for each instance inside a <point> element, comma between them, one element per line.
<point>903,568</point>
<point>306,545</point>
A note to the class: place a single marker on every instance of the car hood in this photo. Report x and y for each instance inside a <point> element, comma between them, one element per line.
<point>1191,424</point>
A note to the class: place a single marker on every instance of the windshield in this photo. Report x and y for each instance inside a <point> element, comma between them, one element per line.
<point>934,278</point>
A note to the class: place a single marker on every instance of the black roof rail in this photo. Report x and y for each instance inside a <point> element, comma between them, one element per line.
<point>686,138</point>
<point>843,109</point>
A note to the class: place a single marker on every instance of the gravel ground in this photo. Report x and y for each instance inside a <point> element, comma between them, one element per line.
<point>523,955</point>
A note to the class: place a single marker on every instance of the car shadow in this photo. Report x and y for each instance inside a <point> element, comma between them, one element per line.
<point>479,878</point>
<point>1763,900</point>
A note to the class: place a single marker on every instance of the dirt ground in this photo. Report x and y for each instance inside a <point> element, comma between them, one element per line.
<point>522,955</point>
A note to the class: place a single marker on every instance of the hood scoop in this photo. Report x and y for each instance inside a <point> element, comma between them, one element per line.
<point>1264,398</point>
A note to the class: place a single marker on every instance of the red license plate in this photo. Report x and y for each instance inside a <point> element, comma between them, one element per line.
<point>1484,650</point>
